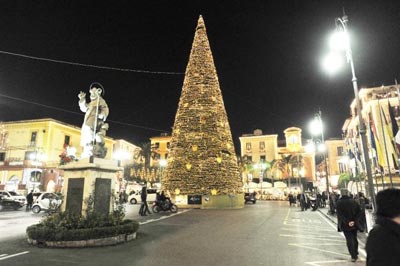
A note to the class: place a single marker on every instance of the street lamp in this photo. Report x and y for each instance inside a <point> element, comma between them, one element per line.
<point>316,129</point>
<point>342,38</point>
<point>262,167</point>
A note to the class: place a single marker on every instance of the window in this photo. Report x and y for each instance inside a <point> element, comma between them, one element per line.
<point>157,145</point>
<point>293,139</point>
<point>33,138</point>
<point>67,139</point>
<point>167,145</point>
<point>248,146</point>
<point>166,155</point>
<point>35,176</point>
<point>249,158</point>
<point>339,150</point>
<point>262,158</point>
<point>262,145</point>
<point>2,156</point>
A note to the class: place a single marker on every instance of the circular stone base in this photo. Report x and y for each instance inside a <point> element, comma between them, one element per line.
<point>107,241</point>
<point>231,201</point>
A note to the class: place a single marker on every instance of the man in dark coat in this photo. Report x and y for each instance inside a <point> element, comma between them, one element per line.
<point>29,200</point>
<point>144,208</point>
<point>383,242</point>
<point>348,214</point>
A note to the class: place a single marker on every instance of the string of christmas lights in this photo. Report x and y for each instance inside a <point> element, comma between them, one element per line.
<point>90,65</point>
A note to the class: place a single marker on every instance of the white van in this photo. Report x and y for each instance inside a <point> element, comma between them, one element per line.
<point>135,196</point>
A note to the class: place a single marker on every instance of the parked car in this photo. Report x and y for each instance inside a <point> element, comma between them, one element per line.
<point>250,197</point>
<point>13,195</point>
<point>47,201</point>
<point>135,196</point>
<point>8,203</point>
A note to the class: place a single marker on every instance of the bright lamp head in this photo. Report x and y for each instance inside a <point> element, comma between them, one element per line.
<point>332,62</point>
<point>316,127</point>
<point>339,41</point>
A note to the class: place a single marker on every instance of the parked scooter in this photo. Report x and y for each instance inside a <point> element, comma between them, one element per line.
<point>165,205</point>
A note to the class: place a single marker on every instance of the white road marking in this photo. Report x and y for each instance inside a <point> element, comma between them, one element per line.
<point>162,217</point>
<point>308,237</point>
<point>13,255</point>
<point>360,250</point>
<point>312,232</point>
<point>318,244</point>
<point>334,240</point>
<point>328,221</point>
<point>335,262</point>
<point>318,249</point>
<point>308,228</point>
<point>286,217</point>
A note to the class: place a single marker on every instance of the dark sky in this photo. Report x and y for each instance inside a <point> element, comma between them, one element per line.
<point>267,55</point>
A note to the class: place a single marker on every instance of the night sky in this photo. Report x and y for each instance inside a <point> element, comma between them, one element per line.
<point>267,54</point>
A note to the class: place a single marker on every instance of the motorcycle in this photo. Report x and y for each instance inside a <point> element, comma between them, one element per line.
<point>166,205</point>
<point>313,203</point>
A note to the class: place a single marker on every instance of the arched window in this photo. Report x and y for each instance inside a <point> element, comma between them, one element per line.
<point>35,176</point>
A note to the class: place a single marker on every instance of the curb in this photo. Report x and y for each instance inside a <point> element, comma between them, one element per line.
<point>99,242</point>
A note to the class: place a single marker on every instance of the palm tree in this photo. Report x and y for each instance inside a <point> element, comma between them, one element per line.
<point>145,153</point>
<point>282,165</point>
<point>279,165</point>
<point>246,167</point>
<point>297,161</point>
<point>344,179</point>
<point>270,165</point>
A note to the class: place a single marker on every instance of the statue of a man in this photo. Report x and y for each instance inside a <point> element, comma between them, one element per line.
<point>94,127</point>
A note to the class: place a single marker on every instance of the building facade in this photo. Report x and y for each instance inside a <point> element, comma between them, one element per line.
<point>32,150</point>
<point>290,165</point>
<point>124,151</point>
<point>337,160</point>
<point>160,148</point>
<point>380,113</point>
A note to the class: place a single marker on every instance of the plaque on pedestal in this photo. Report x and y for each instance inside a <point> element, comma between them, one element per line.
<point>89,178</point>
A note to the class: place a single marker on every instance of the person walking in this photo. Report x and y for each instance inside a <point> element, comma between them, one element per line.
<point>383,242</point>
<point>302,200</point>
<point>144,208</point>
<point>348,215</point>
<point>29,200</point>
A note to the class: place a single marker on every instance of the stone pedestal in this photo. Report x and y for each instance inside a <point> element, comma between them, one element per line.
<point>231,201</point>
<point>89,182</point>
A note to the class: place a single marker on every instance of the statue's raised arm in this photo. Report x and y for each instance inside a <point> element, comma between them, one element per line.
<point>94,127</point>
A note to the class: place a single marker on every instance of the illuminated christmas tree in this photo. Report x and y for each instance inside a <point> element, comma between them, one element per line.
<point>202,157</point>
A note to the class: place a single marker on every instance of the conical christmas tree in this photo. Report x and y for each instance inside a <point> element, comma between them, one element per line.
<point>202,157</point>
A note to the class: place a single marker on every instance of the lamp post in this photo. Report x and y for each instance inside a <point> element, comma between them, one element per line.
<point>342,38</point>
<point>316,128</point>
<point>262,166</point>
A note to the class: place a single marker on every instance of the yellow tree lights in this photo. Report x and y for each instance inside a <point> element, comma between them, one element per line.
<point>202,158</point>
